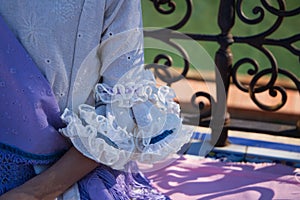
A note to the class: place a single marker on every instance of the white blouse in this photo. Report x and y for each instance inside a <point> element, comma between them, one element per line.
<point>73,42</point>
<point>60,34</point>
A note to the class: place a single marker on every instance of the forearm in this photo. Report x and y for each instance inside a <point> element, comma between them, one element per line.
<point>58,178</point>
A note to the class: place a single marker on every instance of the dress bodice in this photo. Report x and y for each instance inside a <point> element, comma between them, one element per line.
<point>57,35</point>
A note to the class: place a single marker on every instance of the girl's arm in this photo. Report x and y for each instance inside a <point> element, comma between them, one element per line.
<point>55,180</point>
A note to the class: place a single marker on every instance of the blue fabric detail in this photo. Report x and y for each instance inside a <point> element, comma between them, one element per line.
<point>265,144</point>
<point>107,140</point>
<point>161,136</point>
<point>30,156</point>
<point>252,142</point>
<point>118,185</point>
<point>14,171</point>
<point>152,141</point>
<point>16,166</point>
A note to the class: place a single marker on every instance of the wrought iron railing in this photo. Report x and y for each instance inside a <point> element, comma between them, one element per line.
<point>229,12</point>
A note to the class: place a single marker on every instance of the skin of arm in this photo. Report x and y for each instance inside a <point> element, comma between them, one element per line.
<point>55,180</point>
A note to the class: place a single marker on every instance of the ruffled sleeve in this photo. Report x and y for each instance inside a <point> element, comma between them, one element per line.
<point>133,119</point>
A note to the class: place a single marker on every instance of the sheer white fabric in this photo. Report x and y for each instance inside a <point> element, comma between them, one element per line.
<point>74,61</point>
<point>136,113</point>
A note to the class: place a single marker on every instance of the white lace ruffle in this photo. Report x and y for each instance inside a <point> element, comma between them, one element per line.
<point>138,115</point>
<point>84,130</point>
<point>128,92</point>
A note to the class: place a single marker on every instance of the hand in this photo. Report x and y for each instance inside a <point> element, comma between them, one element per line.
<point>55,180</point>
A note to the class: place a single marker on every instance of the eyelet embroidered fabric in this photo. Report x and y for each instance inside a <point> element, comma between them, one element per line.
<point>62,69</point>
<point>14,171</point>
<point>17,167</point>
<point>28,110</point>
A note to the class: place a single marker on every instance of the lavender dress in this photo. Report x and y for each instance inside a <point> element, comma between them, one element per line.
<point>53,101</point>
<point>28,109</point>
<point>30,118</point>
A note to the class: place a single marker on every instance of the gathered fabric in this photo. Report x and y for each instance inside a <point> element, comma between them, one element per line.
<point>132,120</point>
<point>107,183</point>
<point>17,166</point>
<point>141,122</point>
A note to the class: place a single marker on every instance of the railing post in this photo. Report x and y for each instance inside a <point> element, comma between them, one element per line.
<point>223,60</point>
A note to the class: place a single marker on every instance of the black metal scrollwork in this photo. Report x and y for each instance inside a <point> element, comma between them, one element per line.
<point>223,58</point>
<point>256,10</point>
<point>165,35</point>
<point>172,6</point>
<point>280,12</point>
<point>161,71</point>
<point>258,41</point>
<point>204,108</point>
<point>158,3</point>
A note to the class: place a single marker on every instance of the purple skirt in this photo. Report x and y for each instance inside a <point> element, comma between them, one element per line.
<point>16,167</point>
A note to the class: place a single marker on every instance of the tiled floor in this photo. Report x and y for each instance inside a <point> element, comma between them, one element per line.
<point>248,147</point>
<point>245,146</point>
<point>240,103</point>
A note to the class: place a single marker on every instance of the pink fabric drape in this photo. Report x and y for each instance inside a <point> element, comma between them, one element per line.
<point>194,178</point>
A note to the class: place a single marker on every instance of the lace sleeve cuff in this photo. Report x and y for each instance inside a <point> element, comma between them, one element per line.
<point>141,122</point>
